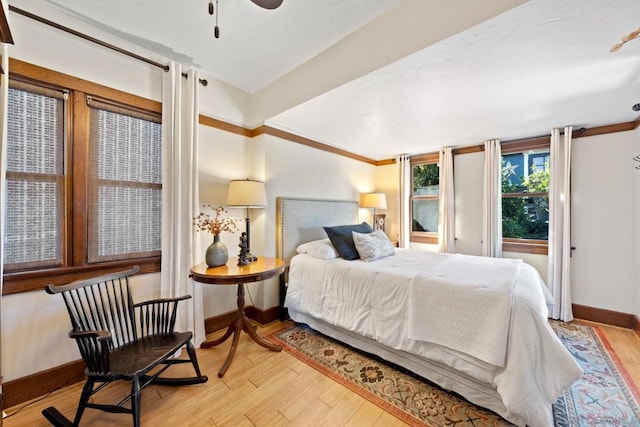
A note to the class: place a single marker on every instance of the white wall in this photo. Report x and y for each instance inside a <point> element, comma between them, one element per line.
<point>295,170</point>
<point>221,158</point>
<point>224,102</point>
<point>51,48</point>
<point>468,170</point>
<point>605,220</point>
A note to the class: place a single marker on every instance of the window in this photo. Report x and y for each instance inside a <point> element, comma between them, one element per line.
<point>84,180</point>
<point>35,177</point>
<point>425,198</point>
<point>125,204</point>
<point>525,198</point>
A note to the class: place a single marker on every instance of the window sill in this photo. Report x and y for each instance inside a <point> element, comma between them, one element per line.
<point>35,280</point>
<point>538,247</point>
<point>431,238</point>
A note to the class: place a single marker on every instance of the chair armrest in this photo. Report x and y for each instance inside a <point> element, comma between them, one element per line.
<point>157,316</point>
<point>161,300</point>
<point>98,335</point>
<point>94,347</point>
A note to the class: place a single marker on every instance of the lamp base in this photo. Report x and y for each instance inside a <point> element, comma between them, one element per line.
<point>249,257</point>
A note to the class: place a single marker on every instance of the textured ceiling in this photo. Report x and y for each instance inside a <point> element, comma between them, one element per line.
<point>256,46</point>
<point>542,64</point>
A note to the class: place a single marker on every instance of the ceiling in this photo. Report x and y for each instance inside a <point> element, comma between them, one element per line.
<point>541,64</point>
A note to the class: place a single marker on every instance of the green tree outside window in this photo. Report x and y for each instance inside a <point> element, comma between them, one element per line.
<point>526,217</point>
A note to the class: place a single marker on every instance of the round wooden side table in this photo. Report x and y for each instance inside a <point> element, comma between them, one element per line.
<point>232,274</point>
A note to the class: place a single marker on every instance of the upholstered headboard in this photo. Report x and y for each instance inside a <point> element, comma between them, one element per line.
<point>301,220</point>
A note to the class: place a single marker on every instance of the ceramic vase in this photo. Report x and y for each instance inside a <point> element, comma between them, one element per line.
<point>217,253</point>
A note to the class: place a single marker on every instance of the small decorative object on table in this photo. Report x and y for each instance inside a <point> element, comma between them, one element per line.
<point>217,253</point>
<point>242,256</point>
<point>378,222</point>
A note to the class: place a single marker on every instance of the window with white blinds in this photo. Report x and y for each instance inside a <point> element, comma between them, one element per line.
<point>125,182</point>
<point>84,180</point>
<point>35,191</point>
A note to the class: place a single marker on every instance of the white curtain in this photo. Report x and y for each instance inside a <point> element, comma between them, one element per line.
<point>559,270</point>
<point>446,217</point>
<point>404,193</point>
<point>492,200</point>
<point>180,199</point>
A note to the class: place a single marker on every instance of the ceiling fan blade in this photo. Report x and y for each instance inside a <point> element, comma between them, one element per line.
<point>616,47</point>
<point>268,4</point>
<point>632,35</point>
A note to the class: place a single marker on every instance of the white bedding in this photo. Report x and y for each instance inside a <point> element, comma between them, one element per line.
<point>372,301</point>
<point>479,287</point>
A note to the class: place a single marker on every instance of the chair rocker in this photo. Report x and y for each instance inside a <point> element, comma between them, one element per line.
<point>120,340</point>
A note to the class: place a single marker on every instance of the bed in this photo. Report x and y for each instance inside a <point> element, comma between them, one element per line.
<point>409,308</point>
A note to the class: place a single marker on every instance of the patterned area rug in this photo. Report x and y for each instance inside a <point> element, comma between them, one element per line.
<point>601,397</point>
<point>605,395</point>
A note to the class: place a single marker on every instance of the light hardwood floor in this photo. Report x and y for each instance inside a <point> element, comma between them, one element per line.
<point>261,388</point>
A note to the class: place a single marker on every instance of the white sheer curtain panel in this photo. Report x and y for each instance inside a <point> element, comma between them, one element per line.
<point>492,200</point>
<point>559,270</point>
<point>404,192</point>
<point>446,210</point>
<point>180,198</point>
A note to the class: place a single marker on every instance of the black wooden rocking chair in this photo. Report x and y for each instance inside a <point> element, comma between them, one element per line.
<point>120,340</point>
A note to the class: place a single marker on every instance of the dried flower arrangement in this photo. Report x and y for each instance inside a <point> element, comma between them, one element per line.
<point>215,224</point>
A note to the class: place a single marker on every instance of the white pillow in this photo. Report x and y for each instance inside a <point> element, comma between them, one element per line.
<point>319,248</point>
<point>372,246</point>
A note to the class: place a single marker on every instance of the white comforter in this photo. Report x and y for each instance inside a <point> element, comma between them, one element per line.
<point>479,287</point>
<point>372,299</point>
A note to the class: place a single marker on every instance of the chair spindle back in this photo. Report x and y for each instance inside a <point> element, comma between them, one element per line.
<point>104,305</point>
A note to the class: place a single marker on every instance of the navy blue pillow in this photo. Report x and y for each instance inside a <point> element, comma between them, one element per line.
<point>342,239</point>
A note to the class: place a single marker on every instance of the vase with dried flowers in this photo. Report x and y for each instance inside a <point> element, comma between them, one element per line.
<point>217,253</point>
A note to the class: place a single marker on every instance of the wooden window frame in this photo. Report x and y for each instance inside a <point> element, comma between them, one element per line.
<point>529,246</point>
<point>421,236</point>
<point>5,31</point>
<point>95,183</point>
<point>75,229</point>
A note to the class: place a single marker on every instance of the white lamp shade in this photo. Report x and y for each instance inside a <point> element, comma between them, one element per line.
<point>247,193</point>
<point>373,200</point>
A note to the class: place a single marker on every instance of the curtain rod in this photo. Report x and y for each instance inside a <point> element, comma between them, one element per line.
<point>19,11</point>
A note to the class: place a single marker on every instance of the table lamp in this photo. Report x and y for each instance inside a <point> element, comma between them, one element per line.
<point>375,201</point>
<point>247,193</point>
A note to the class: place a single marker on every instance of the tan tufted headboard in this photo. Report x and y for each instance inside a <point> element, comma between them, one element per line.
<point>301,220</point>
